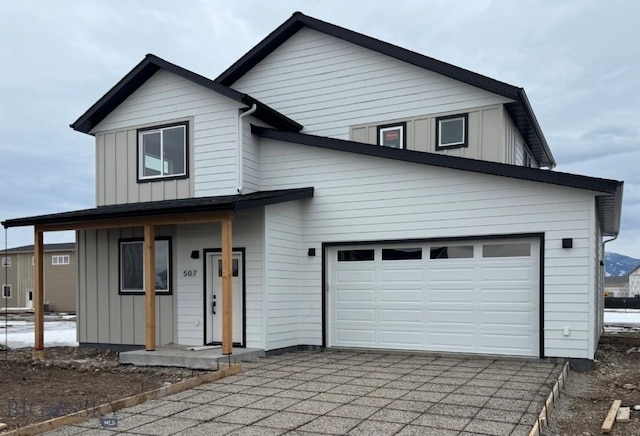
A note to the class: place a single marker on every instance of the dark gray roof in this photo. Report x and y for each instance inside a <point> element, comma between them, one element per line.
<point>64,246</point>
<point>616,280</point>
<point>608,201</point>
<point>520,110</point>
<point>147,68</point>
<point>232,203</point>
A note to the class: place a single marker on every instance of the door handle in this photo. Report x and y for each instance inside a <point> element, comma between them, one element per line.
<point>213,305</point>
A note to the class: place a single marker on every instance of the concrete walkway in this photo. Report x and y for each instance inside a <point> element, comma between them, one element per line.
<point>350,392</point>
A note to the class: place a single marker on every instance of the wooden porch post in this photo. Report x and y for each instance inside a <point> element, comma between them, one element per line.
<point>38,279</point>
<point>150,286</point>
<point>227,294</point>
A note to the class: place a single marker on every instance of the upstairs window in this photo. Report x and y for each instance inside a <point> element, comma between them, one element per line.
<point>6,261</point>
<point>62,259</point>
<point>392,135</point>
<point>451,131</point>
<point>6,291</point>
<point>162,152</point>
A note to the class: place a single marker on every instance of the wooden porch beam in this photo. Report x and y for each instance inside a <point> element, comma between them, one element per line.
<point>153,220</point>
<point>38,298</point>
<point>227,291</point>
<point>150,287</point>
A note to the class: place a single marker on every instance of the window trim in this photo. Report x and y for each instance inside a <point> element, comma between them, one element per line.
<point>169,291</point>
<point>403,134</point>
<point>140,159</point>
<point>6,261</point>
<point>465,143</point>
<point>4,296</point>
<point>59,257</point>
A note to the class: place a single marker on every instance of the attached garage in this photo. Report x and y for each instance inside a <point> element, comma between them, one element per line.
<point>473,296</point>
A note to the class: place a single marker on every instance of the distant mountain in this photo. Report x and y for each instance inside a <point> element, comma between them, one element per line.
<point>619,265</point>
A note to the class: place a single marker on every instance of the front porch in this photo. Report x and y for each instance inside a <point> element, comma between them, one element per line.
<point>208,358</point>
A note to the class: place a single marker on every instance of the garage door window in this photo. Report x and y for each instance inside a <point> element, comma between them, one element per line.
<point>452,252</point>
<point>355,255</point>
<point>506,250</point>
<point>401,253</point>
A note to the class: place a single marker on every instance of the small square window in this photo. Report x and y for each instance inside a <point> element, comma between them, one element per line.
<point>451,131</point>
<point>392,135</point>
<point>6,261</point>
<point>162,152</point>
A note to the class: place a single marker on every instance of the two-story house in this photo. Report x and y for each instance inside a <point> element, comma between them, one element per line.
<point>331,189</point>
<point>60,273</point>
<point>634,283</point>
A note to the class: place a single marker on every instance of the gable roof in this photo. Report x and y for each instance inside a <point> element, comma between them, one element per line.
<point>147,68</point>
<point>520,110</point>
<point>64,246</point>
<point>608,199</point>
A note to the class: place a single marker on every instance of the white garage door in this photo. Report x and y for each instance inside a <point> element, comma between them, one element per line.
<point>475,297</point>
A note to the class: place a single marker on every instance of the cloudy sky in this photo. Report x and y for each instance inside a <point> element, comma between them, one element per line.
<point>579,62</point>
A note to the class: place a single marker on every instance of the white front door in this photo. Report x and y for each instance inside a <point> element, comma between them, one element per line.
<point>214,298</point>
<point>29,298</point>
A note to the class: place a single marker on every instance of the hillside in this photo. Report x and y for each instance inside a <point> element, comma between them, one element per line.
<point>619,265</point>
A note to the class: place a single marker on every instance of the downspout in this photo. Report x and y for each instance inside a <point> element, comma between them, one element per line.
<point>240,174</point>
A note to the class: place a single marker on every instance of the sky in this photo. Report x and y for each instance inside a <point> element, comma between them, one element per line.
<point>579,62</point>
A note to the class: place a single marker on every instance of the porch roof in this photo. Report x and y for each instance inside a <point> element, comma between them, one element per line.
<point>149,209</point>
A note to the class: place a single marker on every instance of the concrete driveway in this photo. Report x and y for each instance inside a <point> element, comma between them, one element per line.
<point>350,392</point>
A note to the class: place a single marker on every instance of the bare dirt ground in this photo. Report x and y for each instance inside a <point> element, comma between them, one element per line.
<point>68,380</point>
<point>587,396</point>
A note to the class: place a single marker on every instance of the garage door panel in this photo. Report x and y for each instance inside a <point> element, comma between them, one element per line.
<point>356,315</point>
<point>471,304</point>
<point>399,315</point>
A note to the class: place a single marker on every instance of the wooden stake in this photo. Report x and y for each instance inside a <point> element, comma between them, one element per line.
<point>38,298</point>
<point>611,416</point>
<point>150,287</point>
<point>227,294</point>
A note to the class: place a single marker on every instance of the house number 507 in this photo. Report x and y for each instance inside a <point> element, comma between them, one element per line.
<point>189,273</point>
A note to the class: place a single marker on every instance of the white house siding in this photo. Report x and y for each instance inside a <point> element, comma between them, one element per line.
<point>162,99</point>
<point>598,278</point>
<point>293,314</point>
<point>251,156</point>
<point>104,316</point>
<point>247,233</point>
<point>360,198</point>
<point>484,139</point>
<point>515,149</point>
<point>328,84</point>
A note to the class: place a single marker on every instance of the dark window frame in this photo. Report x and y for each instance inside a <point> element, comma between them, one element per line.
<point>465,143</point>
<point>169,290</point>
<point>4,288</point>
<point>140,158</point>
<point>403,127</point>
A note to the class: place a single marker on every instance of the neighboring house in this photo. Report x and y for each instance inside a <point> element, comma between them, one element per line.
<point>374,197</point>
<point>60,274</point>
<point>616,286</point>
<point>634,283</point>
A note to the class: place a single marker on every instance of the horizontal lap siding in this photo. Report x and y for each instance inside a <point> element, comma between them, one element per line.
<point>292,312</point>
<point>166,98</point>
<point>361,198</point>
<point>247,233</point>
<point>328,84</point>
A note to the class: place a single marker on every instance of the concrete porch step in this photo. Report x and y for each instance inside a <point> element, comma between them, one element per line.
<point>180,356</point>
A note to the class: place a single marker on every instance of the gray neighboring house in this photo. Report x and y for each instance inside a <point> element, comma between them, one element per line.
<point>60,276</point>
<point>616,286</point>
<point>363,195</point>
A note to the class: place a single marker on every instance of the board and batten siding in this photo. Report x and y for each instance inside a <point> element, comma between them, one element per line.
<point>328,84</point>
<point>103,315</point>
<point>515,148</point>
<point>364,198</point>
<point>167,98</point>
<point>247,234</point>
<point>291,315</point>
<point>484,139</point>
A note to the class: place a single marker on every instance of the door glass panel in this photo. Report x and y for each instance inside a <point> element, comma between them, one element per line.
<point>506,250</point>
<point>401,253</point>
<point>234,267</point>
<point>355,255</point>
<point>452,252</point>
